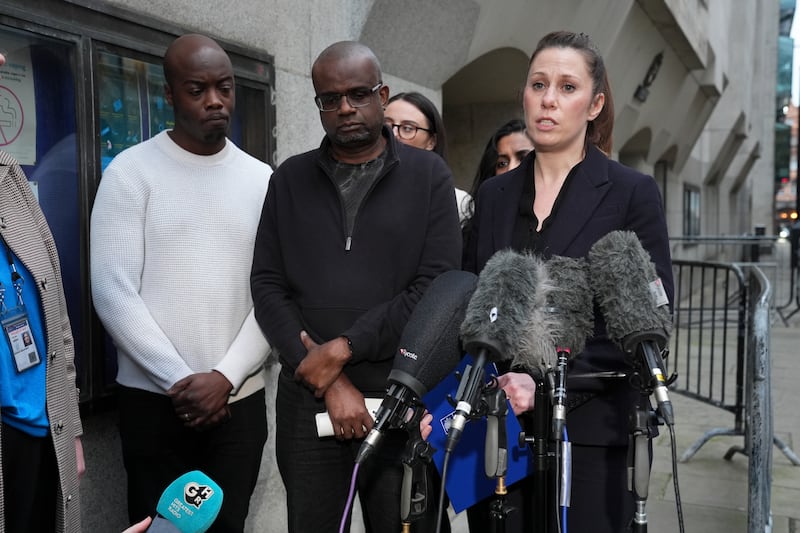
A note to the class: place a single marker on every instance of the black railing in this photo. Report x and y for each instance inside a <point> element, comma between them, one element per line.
<point>707,349</point>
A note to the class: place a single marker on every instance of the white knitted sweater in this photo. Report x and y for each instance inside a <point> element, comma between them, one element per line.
<point>172,237</point>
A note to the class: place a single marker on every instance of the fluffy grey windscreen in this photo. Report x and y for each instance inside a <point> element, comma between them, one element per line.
<point>621,271</point>
<point>571,302</point>
<point>507,313</point>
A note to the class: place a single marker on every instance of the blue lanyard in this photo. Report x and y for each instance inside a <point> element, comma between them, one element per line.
<point>16,281</point>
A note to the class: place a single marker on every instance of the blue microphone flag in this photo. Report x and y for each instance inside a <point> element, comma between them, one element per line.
<point>466,482</point>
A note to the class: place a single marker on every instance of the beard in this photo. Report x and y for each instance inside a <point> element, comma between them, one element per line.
<point>355,139</point>
<point>215,135</point>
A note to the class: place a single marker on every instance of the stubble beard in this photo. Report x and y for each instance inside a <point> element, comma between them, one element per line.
<point>355,139</point>
<point>215,136</point>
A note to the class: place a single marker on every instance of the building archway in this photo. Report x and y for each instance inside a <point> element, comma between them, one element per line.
<point>477,100</point>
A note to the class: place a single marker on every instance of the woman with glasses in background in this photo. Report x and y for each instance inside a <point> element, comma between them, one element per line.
<point>415,121</point>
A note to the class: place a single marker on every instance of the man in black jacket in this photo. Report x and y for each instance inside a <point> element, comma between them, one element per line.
<point>351,235</point>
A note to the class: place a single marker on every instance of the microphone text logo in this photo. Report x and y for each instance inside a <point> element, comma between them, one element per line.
<point>409,354</point>
<point>195,494</point>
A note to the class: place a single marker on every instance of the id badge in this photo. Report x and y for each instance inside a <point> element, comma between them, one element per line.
<point>17,329</point>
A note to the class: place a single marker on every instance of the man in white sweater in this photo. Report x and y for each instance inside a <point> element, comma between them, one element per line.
<point>172,234</point>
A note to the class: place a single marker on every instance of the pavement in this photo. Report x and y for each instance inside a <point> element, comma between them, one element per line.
<point>713,490</point>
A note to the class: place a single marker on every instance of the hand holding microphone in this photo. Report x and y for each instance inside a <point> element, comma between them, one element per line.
<point>139,527</point>
<point>634,305</point>
<point>520,388</point>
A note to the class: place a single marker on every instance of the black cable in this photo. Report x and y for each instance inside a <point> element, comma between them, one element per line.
<point>678,503</point>
<point>440,511</point>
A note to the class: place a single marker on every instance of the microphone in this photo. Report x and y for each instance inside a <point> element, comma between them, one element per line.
<point>429,349</point>
<point>505,321</point>
<point>634,305</point>
<point>190,504</point>
<point>571,303</point>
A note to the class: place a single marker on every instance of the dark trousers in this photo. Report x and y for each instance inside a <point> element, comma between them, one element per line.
<point>601,501</point>
<point>30,482</point>
<point>157,448</point>
<point>317,472</point>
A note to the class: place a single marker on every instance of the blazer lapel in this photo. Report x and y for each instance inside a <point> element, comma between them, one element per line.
<point>589,186</point>
<point>506,204</point>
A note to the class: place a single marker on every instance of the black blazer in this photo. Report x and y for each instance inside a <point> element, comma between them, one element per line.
<point>603,196</point>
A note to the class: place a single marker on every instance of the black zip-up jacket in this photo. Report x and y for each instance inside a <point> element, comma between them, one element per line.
<point>308,274</point>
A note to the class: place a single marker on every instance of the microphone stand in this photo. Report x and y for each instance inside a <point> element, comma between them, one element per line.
<point>416,458</point>
<point>649,369</point>
<point>641,420</point>
<point>496,453</point>
<point>541,462</point>
<point>562,460</point>
<point>559,395</point>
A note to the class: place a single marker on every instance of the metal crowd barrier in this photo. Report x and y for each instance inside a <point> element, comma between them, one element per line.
<point>769,253</point>
<point>720,348</point>
<point>707,348</point>
<point>734,248</point>
<point>759,433</point>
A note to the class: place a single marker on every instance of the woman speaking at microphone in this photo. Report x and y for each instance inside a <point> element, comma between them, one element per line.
<point>565,196</point>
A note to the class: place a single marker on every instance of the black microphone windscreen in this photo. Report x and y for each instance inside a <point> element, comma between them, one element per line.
<point>507,314</point>
<point>572,302</point>
<point>429,346</point>
<point>621,272</point>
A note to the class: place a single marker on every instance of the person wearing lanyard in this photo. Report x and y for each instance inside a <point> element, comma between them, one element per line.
<point>42,456</point>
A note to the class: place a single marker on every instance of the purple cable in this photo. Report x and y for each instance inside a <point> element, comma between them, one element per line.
<point>349,499</point>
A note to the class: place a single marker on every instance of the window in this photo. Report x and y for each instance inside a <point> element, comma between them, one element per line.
<point>131,104</point>
<point>691,211</point>
<point>38,128</point>
<point>661,174</point>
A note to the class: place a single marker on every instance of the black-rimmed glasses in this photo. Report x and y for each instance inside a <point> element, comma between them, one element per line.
<point>406,131</point>
<point>358,97</point>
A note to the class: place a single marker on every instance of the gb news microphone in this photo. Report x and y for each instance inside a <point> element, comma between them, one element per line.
<point>429,349</point>
<point>505,321</point>
<point>190,504</point>
<point>634,305</point>
<point>571,304</point>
